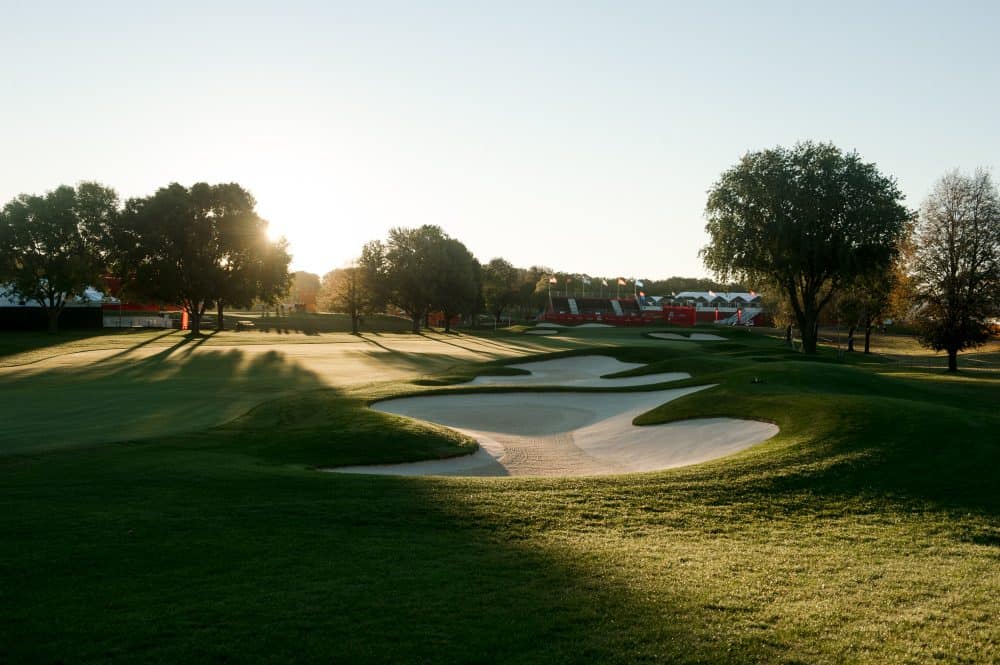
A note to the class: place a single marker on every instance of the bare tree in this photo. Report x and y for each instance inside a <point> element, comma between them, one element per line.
<point>956,262</point>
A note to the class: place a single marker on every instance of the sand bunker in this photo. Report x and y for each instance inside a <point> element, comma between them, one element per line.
<point>578,372</point>
<point>550,325</point>
<point>595,325</point>
<point>567,434</point>
<point>693,337</point>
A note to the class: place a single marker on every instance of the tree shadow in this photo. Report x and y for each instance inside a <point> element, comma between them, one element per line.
<point>127,398</point>
<point>459,346</point>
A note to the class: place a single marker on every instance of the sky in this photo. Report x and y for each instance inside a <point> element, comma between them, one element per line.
<point>581,136</point>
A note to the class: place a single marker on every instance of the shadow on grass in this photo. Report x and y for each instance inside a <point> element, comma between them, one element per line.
<point>169,555</point>
<point>15,342</point>
<point>172,390</point>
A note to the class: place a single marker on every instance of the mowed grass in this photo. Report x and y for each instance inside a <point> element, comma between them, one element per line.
<point>867,531</point>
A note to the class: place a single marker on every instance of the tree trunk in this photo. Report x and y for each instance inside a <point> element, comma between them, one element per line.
<point>868,339</point>
<point>850,339</point>
<point>810,333</point>
<point>788,334</point>
<point>952,360</point>
<point>447,321</point>
<point>53,315</point>
<point>195,320</point>
<point>355,327</point>
<point>218,324</point>
<point>416,322</point>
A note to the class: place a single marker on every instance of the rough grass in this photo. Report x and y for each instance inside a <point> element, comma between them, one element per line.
<point>868,530</point>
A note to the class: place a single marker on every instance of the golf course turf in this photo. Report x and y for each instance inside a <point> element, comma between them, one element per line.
<point>163,505</point>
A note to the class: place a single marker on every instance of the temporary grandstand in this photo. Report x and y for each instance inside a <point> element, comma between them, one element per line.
<point>723,308</point>
<point>683,309</point>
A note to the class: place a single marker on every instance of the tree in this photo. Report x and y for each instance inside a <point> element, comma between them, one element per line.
<point>864,302</point>
<point>529,299</point>
<point>304,290</point>
<point>348,290</point>
<point>455,283</point>
<point>251,266</point>
<point>55,246</point>
<point>779,309</point>
<point>198,246</point>
<point>956,263</point>
<point>405,268</point>
<point>808,219</point>
<point>500,287</point>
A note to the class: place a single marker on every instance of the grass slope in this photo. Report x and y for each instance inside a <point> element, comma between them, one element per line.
<point>867,531</point>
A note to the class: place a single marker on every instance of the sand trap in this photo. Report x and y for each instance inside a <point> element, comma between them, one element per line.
<point>579,372</point>
<point>693,337</point>
<point>567,434</point>
<point>544,331</point>
<point>595,325</point>
<point>550,325</point>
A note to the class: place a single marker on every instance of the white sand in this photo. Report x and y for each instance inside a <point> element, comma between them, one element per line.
<point>567,434</point>
<point>543,331</point>
<point>580,372</point>
<point>550,325</point>
<point>694,337</point>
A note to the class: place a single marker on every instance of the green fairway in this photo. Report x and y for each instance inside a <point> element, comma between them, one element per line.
<point>162,504</point>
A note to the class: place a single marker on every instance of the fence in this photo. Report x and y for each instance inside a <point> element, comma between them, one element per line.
<point>137,322</point>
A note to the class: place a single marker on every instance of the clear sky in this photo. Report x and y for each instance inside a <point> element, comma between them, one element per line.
<point>578,135</point>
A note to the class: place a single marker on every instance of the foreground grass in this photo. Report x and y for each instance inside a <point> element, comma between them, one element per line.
<point>867,531</point>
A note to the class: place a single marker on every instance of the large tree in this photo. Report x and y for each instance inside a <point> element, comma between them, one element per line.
<point>54,246</point>
<point>500,287</point>
<point>808,219</point>
<point>956,263</point>
<point>197,246</point>
<point>455,284</point>
<point>252,267</point>
<point>405,268</point>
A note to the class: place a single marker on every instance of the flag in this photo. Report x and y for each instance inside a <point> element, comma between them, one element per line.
<point>586,280</point>
<point>639,282</point>
<point>711,294</point>
<point>553,280</point>
<point>621,282</point>
<point>604,282</point>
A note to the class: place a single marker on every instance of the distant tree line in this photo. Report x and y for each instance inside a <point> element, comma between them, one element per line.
<point>422,270</point>
<point>199,247</point>
<point>821,230</point>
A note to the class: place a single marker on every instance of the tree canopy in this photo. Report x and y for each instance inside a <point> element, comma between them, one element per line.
<point>455,283</point>
<point>500,286</point>
<point>956,263</point>
<point>807,219</point>
<point>201,246</point>
<point>420,269</point>
<point>54,246</point>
